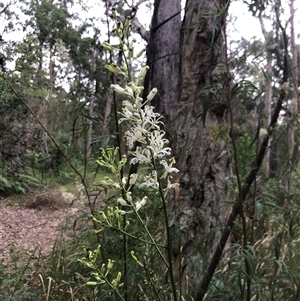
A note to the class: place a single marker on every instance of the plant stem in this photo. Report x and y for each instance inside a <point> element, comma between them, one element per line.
<point>152,283</point>
<point>167,263</point>
<point>236,165</point>
<point>169,242</point>
<point>135,237</point>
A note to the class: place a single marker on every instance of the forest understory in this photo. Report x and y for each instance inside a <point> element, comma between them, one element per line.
<point>31,225</point>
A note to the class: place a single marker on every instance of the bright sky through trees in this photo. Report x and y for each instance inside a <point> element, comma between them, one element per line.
<point>245,25</point>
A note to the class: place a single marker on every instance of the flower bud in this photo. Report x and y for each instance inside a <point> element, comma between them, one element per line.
<point>142,73</point>
<point>113,68</point>
<point>110,264</point>
<point>139,54</point>
<point>109,47</point>
<point>152,94</point>
<point>117,89</point>
<point>122,202</point>
<point>133,178</point>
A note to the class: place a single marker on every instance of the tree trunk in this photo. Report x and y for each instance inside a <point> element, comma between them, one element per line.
<point>89,135</point>
<point>199,204</point>
<point>203,162</point>
<point>91,109</point>
<point>294,106</point>
<point>268,103</point>
<point>163,59</point>
<point>268,90</point>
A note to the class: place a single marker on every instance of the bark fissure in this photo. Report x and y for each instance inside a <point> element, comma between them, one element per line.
<point>202,169</point>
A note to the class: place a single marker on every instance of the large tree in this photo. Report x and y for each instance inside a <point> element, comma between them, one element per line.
<point>200,131</point>
<point>201,159</point>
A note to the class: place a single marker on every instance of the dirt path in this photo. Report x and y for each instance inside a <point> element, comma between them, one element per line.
<point>36,223</point>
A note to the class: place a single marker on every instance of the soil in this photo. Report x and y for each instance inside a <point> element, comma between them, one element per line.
<point>31,227</point>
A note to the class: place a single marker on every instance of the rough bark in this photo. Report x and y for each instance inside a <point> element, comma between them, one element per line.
<point>203,163</point>
<point>163,59</point>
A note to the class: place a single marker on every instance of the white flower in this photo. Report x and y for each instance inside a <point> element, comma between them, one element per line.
<point>124,181</point>
<point>142,73</point>
<point>172,185</point>
<point>134,87</point>
<point>156,144</point>
<point>138,133</point>
<point>128,105</point>
<point>263,133</point>
<point>130,140</point>
<point>141,156</point>
<point>127,91</point>
<point>128,196</point>
<point>118,89</point>
<point>145,127</point>
<point>150,120</point>
<point>159,152</point>
<point>139,102</point>
<point>133,178</point>
<point>168,168</point>
<point>140,204</point>
<point>127,114</point>
<point>150,180</point>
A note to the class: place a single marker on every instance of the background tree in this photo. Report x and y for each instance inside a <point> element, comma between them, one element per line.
<point>269,40</point>
<point>294,105</point>
<point>60,73</point>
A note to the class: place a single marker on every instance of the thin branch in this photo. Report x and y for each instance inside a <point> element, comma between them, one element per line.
<point>166,21</point>
<point>162,57</point>
<point>140,29</point>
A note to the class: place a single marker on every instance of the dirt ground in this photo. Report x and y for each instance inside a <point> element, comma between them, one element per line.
<point>35,223</point>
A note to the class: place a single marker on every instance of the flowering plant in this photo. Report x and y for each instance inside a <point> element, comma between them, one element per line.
<point>148,147</point>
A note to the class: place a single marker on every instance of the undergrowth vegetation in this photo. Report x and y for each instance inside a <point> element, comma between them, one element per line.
<point>273,257</point>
